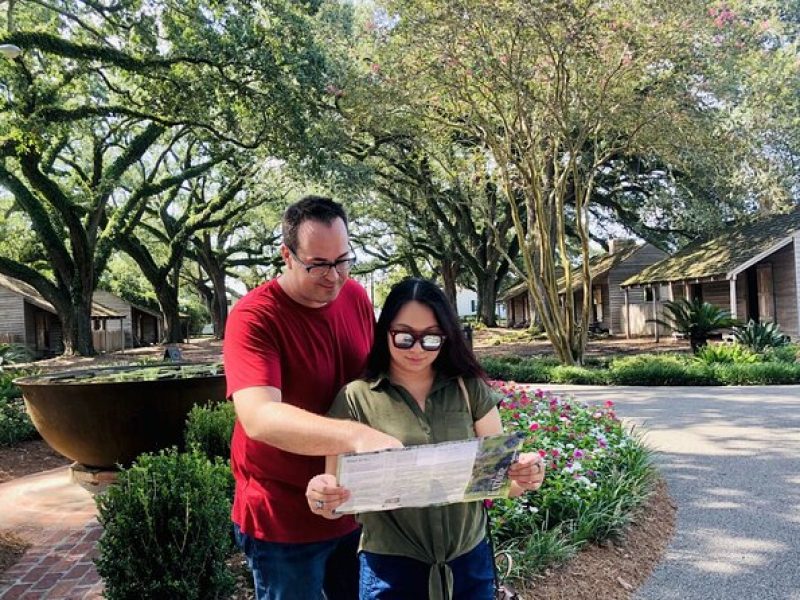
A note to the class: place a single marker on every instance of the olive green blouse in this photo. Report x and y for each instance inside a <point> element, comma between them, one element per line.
<point>434,534</point>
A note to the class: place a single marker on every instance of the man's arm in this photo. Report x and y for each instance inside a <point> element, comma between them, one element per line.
<point>266,419</point>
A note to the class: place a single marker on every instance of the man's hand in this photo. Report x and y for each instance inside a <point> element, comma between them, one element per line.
<point>324,495</point>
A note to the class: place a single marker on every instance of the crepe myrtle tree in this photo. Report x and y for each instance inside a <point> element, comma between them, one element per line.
<point>554,91</point>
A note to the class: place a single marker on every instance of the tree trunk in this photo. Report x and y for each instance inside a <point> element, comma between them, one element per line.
<point>168,302</point>
<point>76,326</point>
<point>487,299</point>
<point>449,274</point>
<point>219,304</point>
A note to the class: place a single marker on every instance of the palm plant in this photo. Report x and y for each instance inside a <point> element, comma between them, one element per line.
<point>13,353</point>
<point>760,336</point>
<point>695,319</point>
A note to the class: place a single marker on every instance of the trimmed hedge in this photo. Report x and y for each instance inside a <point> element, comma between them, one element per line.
<point>647,369</point>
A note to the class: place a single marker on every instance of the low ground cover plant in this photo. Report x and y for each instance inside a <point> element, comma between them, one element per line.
<point>598,473</point>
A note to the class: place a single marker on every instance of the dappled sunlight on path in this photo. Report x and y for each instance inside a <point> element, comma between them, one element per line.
<point>729,455</point>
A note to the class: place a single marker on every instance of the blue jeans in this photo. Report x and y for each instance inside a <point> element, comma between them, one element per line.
<point>385,577</point>
<point>302,571</point>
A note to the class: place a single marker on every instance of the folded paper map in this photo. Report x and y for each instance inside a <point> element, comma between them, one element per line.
<point>428,475</point>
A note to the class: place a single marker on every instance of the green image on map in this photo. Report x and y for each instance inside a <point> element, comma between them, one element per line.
<point>490,471</point>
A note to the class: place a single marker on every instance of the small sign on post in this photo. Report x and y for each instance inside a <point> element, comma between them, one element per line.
<point>172,354</point>
<point>467,329</point>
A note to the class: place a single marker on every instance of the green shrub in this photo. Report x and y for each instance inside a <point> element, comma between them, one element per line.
<point>760,336</point>
<point>649,369</point>
<point>764,373</point>
<point>531,371</point>
<point>166,529</point>
<point>787,353</point>
<point>514,368</point>
<point>578,375</point>
<point>209,429</point>
<point>15,423</point>
<point>8,390</point>
<point>497,368</point>
<point>726,353</point>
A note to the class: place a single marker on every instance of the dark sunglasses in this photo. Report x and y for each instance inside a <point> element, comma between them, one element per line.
<point>405,340</point>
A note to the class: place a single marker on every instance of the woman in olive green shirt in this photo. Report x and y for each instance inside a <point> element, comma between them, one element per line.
<point>422,385</point>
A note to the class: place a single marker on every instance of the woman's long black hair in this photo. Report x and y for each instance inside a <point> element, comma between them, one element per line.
<point>455,358</point>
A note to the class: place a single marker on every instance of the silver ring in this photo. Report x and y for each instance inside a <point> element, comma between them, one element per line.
<point>319,504</point>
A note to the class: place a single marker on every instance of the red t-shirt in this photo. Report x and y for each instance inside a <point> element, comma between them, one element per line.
<point>309,354</point>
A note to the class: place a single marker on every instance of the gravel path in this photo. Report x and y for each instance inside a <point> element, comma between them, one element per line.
<point>731,458</point>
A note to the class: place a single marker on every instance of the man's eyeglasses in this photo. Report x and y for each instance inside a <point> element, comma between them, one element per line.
<point>405,340</point>
<point>318,270</point>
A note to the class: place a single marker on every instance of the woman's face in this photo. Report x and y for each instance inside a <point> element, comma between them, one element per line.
<point>418,319</point>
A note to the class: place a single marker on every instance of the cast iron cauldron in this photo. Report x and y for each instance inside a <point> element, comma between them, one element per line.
<point>108,416</point>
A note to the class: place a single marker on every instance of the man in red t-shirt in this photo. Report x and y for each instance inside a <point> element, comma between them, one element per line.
<point>290,346</point>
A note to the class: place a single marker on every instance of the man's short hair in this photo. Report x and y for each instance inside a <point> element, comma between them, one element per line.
<point>309,208</point>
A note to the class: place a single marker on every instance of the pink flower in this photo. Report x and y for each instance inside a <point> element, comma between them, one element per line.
<point>488,503</point>
<point>539,393</point>
<point>534,426</point>
<point>542,453</point>
<point>555,452</point>
<point>609,403</point>
<point>577,454</point>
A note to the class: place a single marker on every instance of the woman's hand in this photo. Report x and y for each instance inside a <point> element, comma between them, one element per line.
<point>528,472</point>
<point>324,495</point>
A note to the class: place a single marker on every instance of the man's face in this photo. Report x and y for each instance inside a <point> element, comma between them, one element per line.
<point>317,242</point>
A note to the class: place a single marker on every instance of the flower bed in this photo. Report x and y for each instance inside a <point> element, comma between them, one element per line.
<point>597,474</point>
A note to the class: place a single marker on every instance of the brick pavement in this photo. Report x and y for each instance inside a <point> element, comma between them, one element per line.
<point>58,518</point>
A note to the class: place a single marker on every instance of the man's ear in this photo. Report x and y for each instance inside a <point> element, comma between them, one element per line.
<point>285,254</point>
